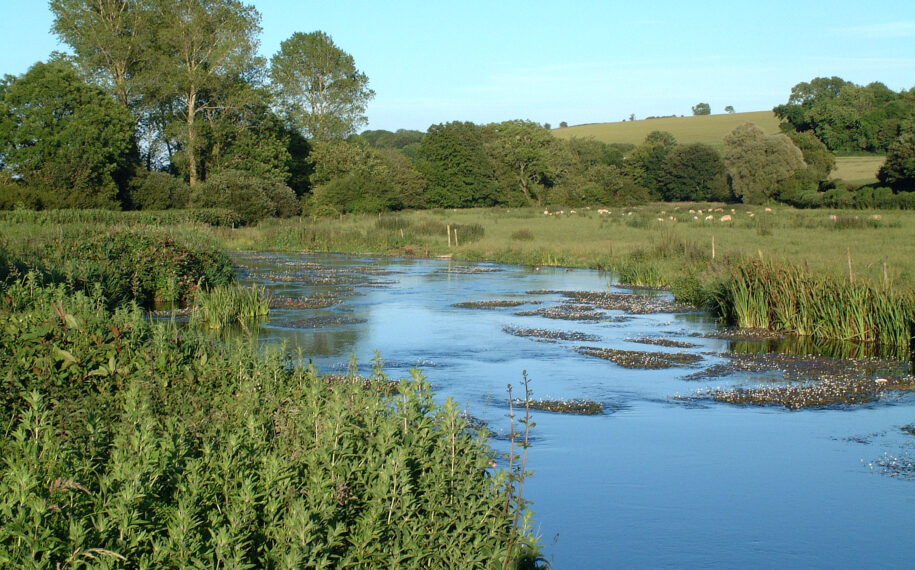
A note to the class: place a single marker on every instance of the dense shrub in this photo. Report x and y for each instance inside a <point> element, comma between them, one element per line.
<point>252,198</point>
<point>149,267</point>
<point>159,191</point>
<point>131,443</point>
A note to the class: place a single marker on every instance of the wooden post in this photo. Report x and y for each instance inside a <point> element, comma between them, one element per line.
<point>449,235</point>
<point>851,273</point>
<point>886,277</point>
<point>401,233</point>
<point>713,247</point>
<point>456,244</point>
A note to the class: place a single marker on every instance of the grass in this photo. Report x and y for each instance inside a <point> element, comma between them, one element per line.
<point>708,129</point>
<point>858,169</point>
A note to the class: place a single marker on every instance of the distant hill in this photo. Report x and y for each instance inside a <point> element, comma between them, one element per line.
<point>709,129</point>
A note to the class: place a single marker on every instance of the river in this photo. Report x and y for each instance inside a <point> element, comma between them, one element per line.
<point>654,480</point>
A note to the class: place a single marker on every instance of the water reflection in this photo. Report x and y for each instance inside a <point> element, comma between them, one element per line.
<point>650,482</point>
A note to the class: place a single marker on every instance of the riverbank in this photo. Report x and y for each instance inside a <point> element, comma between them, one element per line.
<point>136,442</point>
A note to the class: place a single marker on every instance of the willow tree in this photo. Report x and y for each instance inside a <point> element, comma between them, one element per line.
<point>757,163</point>
<point>323,93</point>
<point>203,49</point>
<point>107,38</point>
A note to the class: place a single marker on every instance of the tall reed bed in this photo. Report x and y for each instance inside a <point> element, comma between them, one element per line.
<point>226,305</point>
<point>757,294</point>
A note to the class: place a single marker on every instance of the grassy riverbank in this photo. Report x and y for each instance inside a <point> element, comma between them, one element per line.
<point>135,443</point>
<point>859,265</point>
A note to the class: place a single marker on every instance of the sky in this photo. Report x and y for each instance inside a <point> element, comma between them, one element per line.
<point>577,61</point>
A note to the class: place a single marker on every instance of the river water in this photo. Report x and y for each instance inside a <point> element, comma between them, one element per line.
<point>653,481</point>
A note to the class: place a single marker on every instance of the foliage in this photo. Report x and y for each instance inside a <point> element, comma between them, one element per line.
<point>107,37</point>
<point>350,177</point>
<point>693,172</point>
<point>225,305</point>
<point>644,164</point>
<point>898,171</point>
<point>133,443</point>
<point>148,267</point>
<point>845,116</point>
<point>62,134</point>
<point>454,161</point>
<point>197,62</point>
<point>758,163</point>
<point>520,152</point>
<point>252,198</point>
<point>400,139</point>
<point>158,191</point>
<point>323,93</point>
<point>702,109</point>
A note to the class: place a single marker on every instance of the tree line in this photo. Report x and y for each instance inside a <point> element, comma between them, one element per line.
<point>166,104</point>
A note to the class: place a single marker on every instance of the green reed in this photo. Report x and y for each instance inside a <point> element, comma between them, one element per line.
<point>226,305</point>
<point>788,298</point>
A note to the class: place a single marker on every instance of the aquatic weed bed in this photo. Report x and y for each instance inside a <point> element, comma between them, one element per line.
<point>578,407</point>
<point>280,302</point>
<point>825,393</point>
<point>639,359</point>
<point>551,334</point>
<point>666,342</point>
<point>570,312</point>
<point>494,304</point>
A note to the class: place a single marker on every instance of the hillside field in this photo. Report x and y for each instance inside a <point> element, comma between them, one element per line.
<point>708,129</point>
<point>711,129</point>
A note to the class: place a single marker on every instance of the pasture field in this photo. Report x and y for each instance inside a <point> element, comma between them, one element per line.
<point>822,240</point>
<point>708,129</point>
<point>858,169</point>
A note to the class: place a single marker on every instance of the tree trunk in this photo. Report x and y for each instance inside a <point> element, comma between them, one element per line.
<point>191,139</point>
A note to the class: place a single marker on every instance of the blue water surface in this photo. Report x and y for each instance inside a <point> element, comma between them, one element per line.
<point>654,481</point>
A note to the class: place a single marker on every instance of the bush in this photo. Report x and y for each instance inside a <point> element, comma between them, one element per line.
<point>252,198</point>
<point>134,443</point>
<point>159,191</point>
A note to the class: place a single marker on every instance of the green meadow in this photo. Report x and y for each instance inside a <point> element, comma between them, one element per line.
<point>708,129</point>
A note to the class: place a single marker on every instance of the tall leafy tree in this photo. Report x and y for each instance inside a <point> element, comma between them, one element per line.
<point>644,164</point>
<point>758,163</point>
<point>693,172</point>
<point>58,132</point>
<point>107,37</point>
<point>899,169</point>
<point>702,109</point>
<point>453,158</point>
<point>203,54</point>
<point>521,150</point>
<point>323,93</point>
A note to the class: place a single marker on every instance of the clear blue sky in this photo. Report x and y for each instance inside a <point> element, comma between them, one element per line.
<point>576,61</point>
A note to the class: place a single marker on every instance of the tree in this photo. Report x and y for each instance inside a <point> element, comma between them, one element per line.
<point>106,37</point>
<point>323,93</point>
<point>563,125</point>
<point>702,109</point>
<point>521,149</point>
<point>898,171</point>
<point>59,132</point>
<point>693,172</point>
<point>758,163</point>
<point>644,164</point>
<point>203,50</point>
<point>452,157</point>
<point>729,109</point>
